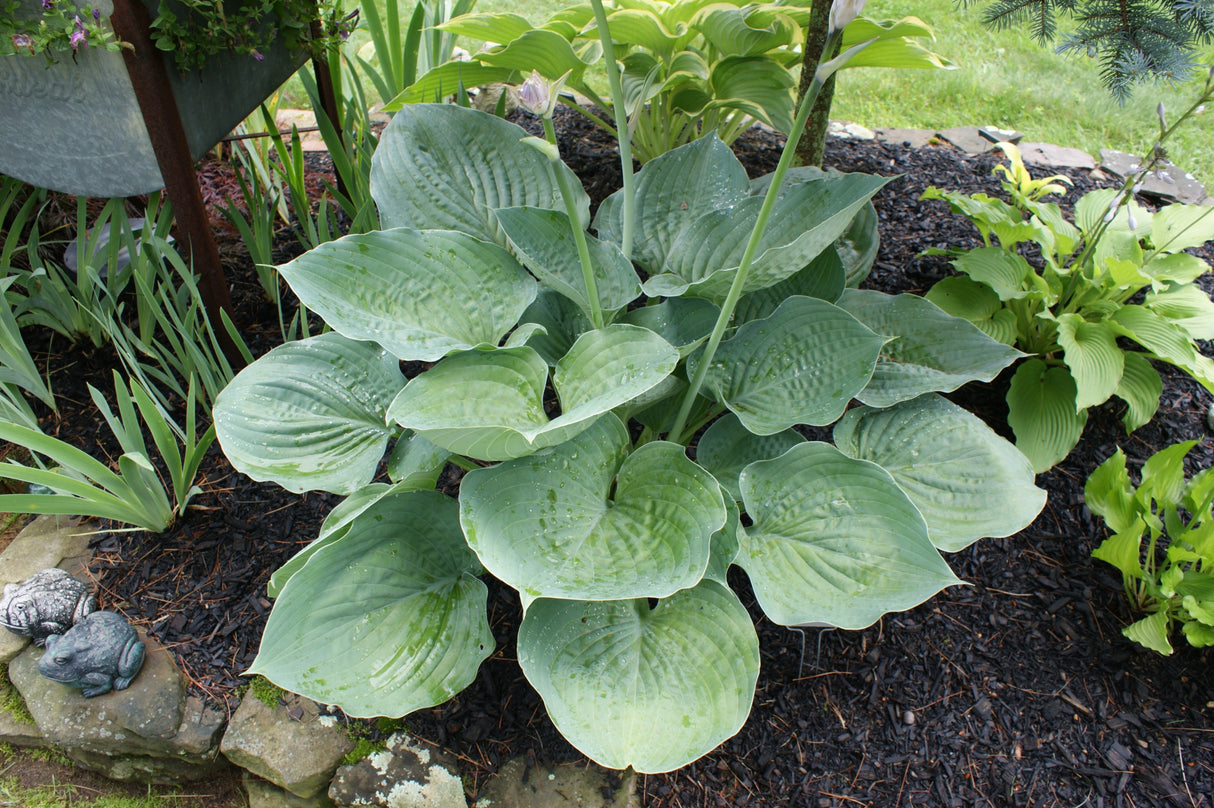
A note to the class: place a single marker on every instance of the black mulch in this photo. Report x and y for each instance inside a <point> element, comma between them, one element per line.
<point>1016,690</point>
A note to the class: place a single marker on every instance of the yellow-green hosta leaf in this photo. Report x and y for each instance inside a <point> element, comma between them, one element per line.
<point>544,241</point>
<point>1165,340</point>
<point>1140,388</point>
<point>834,540</point>
<point>1095,360</point>
<point>801,365</point>
<point>444,167</point>
<point>747,31</point>
<point>641,28</point>
<point>1109,494</point>
<point>489,404</point>
<point>931,351</point>
<point>1151,632</point>
<point>1041,412</point>
<point>487,26</point>
<point>590,520</point>
<point>651,688</point>
<point>968,482</point>
<point>757,85</point>
<point>310,415</point>
<point>1178,227</point>
<point>1187,306</point>
<point>387,619</point>
<point>1002,270</point>
<point>1199,635</point>
<point>421,294</point>
<point>727,447</point>
<point>1176,268</point>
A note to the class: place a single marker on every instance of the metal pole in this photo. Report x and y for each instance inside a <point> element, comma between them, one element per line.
<point>150,80</point>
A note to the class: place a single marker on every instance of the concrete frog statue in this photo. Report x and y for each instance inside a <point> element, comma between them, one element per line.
<point>100,653</point>
<point>49,602</point>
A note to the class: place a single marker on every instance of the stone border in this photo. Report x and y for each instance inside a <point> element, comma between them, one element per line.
<point>290,749</point>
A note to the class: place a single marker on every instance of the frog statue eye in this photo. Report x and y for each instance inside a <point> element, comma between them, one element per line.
<point>62,660</point>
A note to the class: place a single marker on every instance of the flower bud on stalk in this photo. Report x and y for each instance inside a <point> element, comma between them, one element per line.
<point>842,12</point>
<point>538,96</point>
<point>1163,121</point>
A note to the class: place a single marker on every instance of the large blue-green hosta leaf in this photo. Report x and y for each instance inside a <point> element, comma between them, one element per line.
<point>931,351</point>
<point>727,447</point>
<point>387,619</point>
<point>419,293</point>
<point>490,404</point>
<point>801,365</point>
<point>653,689</point>
<point>443,167</point>
<point>834,540</point>
<point>807,218</point>
<point>968,482</point>
<point>310,415</point>
<point>672,191</point>
<point>592,521</point>
<point>544,242</point>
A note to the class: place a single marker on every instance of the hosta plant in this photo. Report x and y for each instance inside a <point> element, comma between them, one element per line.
<point>689,67</point>
<point>1171,578</point>
<point>626,406</point>
<point>1101,297</point>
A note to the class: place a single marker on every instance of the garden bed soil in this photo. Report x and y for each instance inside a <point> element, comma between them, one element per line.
<point>1017,689</point>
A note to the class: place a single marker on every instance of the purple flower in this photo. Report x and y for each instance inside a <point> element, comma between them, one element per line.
<point>258,55</point>
<point>77,39</point>
<point>96,15</point>
<point>47,5</point>
<point>23,41</point>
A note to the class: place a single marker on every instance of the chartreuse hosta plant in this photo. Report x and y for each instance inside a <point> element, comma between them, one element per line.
<point>689,67</point>
<point>1171,579</point>
<point>572,375</point>
<point>1078,309</point>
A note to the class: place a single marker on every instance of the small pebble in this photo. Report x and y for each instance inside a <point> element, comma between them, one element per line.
<point>1210,418</point>
<point>908,718</point>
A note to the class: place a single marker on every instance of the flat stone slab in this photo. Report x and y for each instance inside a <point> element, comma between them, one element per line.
<point>297,754</point>
<point>967,138</point>
<point>263,794</point>
<point>406,774</point>
<point>914,138</point>
<point>1180,186</point>
<point>996,135</point>
<point>1047,154</point>
<point>570,785</point>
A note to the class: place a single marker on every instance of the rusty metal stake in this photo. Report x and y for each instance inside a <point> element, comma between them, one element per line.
<point>150,81</point>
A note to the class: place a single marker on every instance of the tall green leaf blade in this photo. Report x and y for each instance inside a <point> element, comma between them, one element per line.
<point>1041,412</point>
<point>387,619</point>
<point>672,191</point>
<point>968,482</point>
<point>419,293</point>
<point>549,525</point>
<point>1095,361</point>
<point>310,415</point>
<point>801,365</point>
<point>443,167</point>
<point>834,540</point>
<point>545,244</point>
<point>611,673</point>
<point>932,351</point>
